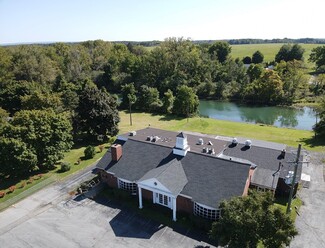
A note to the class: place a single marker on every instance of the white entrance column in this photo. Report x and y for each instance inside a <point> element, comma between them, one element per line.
<point>140,197</point>
<point>174,208</point>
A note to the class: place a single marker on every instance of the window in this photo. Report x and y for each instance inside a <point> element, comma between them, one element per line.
<point>206,212</point>
<point>163,200</point>
<point>128,186</point>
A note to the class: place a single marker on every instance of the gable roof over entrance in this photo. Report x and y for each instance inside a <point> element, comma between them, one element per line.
<point>171,175</point>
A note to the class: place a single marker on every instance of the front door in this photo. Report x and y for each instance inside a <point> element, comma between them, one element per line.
<point>163,200</point>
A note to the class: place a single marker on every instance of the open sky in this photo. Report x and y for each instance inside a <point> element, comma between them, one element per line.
<point>142,20</point>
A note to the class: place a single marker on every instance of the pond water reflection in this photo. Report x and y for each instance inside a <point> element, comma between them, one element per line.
<point>302,118</point>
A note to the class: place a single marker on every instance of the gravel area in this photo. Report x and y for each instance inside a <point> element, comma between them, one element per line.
<point>310,222</point>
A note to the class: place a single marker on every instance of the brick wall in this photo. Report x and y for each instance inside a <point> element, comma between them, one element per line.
<point>184,204</point>
<point>109,179</point>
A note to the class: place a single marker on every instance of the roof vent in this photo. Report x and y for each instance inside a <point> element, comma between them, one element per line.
<point>248,143</point>
<point>204,150</point>
<point>149,138</point>
<point>211,151</point>
<point>200,141</point>
<point>234,141</point>
<point>283,153</point>
<point>210,143</point>
<point>133,133</point>
<point>155,138</point>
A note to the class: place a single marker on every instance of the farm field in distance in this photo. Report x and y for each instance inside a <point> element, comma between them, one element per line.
<point>269,50</point>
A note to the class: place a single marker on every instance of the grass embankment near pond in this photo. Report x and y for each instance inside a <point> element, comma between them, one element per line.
<point>291,137</point>
<point>25,186</point>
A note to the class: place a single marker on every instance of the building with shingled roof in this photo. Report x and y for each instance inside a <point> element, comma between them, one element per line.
<point>193,173</point>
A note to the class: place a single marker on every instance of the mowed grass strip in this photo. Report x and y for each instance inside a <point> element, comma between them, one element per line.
<point>291,137</point>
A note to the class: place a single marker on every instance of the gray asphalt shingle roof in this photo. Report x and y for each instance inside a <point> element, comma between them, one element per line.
<point>209,179</point>
<point>265,158</point>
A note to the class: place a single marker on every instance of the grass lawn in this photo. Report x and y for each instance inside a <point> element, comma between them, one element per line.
<point>74,155</point>
<point>295,203</point>
<point>47,178</point>
<point>291,137</point>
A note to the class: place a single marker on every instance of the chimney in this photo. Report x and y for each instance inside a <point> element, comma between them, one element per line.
<point>116,150</point>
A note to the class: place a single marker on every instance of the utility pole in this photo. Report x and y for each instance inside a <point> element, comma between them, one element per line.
<point>130,113</point>
<point>294,179</point>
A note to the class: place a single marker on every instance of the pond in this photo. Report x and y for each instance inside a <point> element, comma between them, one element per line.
<point>302,118</point>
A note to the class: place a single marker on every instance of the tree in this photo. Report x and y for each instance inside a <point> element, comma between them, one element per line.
<point>128,92</point>
<point>11,93</point>
<point>90,152</point>
<point>255,71</point>
<point>149,99</point>
<point>318,57</point>
<point>296,52</point>
<point>3,116</point>
<point>295,83</point>
<point>247,220</point>
<point>247,60</point>
<point>288,52</point>
<point>45,133</point>
<point>39,100</point>
<point>186,101</point>
<point>257,57</point>
<point>220,50</point>
<point>15,157</point>
<point>319,128</point>
<point>97,113</point>
<point>168,102</point>
<point>268,89</point>
<point>318,85</point>
<point>5,65</point>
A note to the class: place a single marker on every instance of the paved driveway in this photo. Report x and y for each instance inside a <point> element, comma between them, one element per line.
<point>51,218</point>
<point>311,222</point>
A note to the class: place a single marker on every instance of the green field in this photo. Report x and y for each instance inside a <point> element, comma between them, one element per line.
<point>268,50</point>
<point>291,137</point>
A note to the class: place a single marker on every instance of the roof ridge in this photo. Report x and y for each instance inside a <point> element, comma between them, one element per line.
<point>167,165</point>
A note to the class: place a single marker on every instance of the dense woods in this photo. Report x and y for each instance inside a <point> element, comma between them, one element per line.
<point>51,94</point>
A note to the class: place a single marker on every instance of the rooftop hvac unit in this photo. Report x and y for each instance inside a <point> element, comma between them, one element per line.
<point>248,143</point>
<point>200,141</point>
<point>133,133</point>
<point>234,141</point>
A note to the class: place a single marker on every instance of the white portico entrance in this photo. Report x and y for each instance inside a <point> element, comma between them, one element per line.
<point>161,182</point>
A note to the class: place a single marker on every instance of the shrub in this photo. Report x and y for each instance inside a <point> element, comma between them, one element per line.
<point>12,188</point>
<point>23,184</point>
<point>65,166</point>
<point>2,194</point>
<point>101,148</point>
<point>30,180</point>
<point>90,152</point>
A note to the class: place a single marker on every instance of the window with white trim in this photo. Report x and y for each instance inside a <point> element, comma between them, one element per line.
<point>205,212</point>
<point>128,186</point>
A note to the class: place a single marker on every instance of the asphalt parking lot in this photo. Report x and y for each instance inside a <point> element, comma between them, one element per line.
<point>50,218</point>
